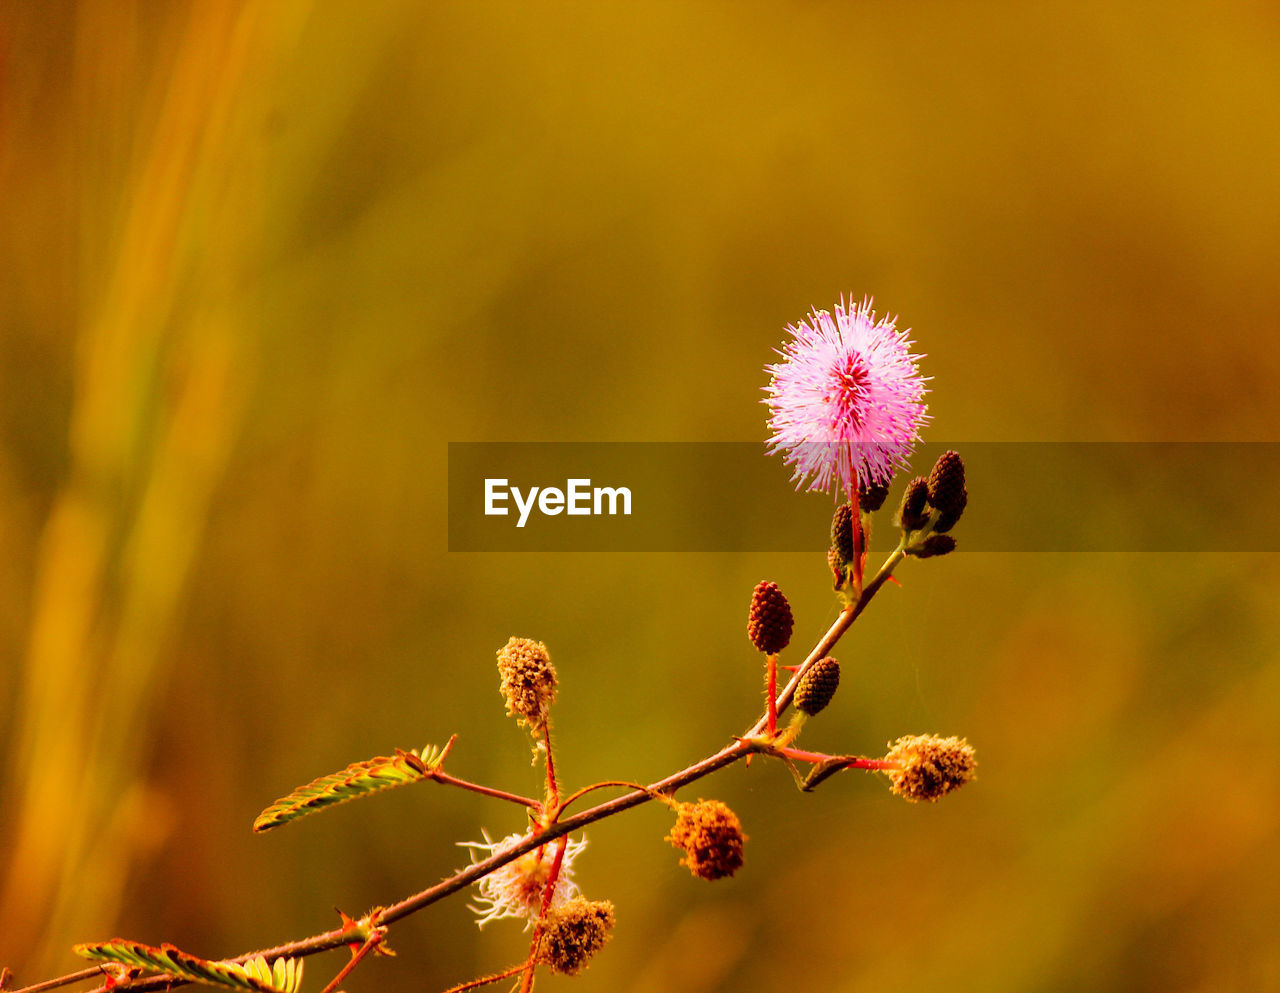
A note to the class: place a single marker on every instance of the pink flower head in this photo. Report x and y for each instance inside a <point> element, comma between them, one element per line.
<point>846,401</point>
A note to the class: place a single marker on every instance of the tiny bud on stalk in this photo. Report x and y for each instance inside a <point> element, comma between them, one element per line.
<point>573,933</point>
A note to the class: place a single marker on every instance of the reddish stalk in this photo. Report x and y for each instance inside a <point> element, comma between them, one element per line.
<point>370,943</point>
<point>485,980</point>
<point>526,981</point>
<point>771,695</point>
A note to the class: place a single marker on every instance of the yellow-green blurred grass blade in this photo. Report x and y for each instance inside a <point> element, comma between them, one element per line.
<point>356,780</point>
<point>283,976</point>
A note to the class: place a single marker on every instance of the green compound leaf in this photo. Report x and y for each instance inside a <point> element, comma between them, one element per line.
<point>356,780</point>
<point>282,976</point>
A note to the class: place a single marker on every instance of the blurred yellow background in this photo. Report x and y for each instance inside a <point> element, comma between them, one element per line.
<point>261,262</point>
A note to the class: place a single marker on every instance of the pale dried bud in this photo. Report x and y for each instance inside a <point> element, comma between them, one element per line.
<point>929,767</point>
<point>528,681</point>
<point>711,836</point>
<point>573,933</point>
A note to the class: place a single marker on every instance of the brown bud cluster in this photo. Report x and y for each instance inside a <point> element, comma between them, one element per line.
<point>769,625</point>
<point>930,767</point>
<point>573,932</point>
<point>528,681</point>
<point>913,511</point>
<point>817,686</point>
<point>711,836</point>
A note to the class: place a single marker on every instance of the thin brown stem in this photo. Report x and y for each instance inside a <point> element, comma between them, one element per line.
<point>447,780</point>
<point>485,980</point>
<point>93,972</point>
<point>604,784</point>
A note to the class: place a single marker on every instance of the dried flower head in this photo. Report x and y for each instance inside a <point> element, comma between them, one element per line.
<point>846,403</point>
<point>573,933</point>
<point>769,623</point>
<point>528,680</point>
<point>711,836</point>
<point>516,889</point>
<point>929,767</point>
<point>817,686</point>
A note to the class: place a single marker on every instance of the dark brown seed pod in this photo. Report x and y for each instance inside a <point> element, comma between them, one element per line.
<point>817,686</point>
<point>912,513</point>
<point>873,497</point>
<point>842,533</point>
<point>946,483</point>
<point>769,625</point>
<point>935,545</point>
<point>947,518</point>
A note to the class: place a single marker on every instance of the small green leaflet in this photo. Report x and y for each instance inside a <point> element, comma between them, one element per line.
<point>282,976</point>
<point>356,780</point>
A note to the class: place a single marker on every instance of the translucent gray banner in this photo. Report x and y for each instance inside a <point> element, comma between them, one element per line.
<point>733,497</point>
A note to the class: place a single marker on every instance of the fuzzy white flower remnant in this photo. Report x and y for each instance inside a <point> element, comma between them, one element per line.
<point>516,889</point>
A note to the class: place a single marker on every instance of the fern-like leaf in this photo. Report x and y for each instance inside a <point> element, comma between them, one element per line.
<point>283,976</point>
<point>356,780</point>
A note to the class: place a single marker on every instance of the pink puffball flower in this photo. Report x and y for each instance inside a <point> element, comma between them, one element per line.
<point>846,401</point>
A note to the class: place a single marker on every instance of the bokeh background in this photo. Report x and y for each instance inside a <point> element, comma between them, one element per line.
<point>261,261</point>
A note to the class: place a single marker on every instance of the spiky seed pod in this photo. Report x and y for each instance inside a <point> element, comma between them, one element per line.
<point>946,483</point>
<point>912,513</point>
<point>528,681</point>
<point>842,532</point>
<point>770,622</point>
<point>933,546</point>
<point>930,767</point>
<point>873,497</point>
<point>573,933</point>
<point>818,685</point>
<point>711,836</point>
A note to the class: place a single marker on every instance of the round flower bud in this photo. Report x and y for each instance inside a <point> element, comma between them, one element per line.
<point>934,545</point>
<point>929,767</point>
<point>711,836</point>
<point>528,680</point>
<point>573,932</point>
<point>946,483</point>
<point>770,622</point>
<point>842,533</point>
<point>818,685</point>
<point>873,497</point>
<point>912,513</point>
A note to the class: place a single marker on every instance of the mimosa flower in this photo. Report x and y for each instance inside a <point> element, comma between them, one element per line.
<point>846,403</point>
<point>516,889</point>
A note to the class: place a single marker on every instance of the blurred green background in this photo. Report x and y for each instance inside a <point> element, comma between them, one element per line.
<point>261,261</point>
